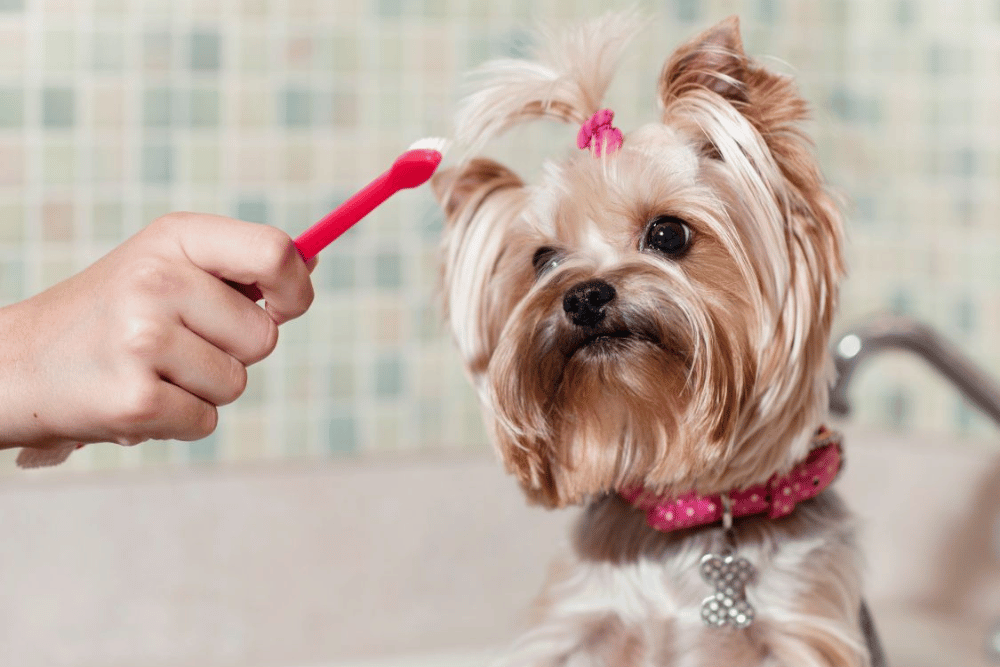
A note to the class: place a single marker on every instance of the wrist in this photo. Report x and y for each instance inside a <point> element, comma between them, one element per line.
<point>22,418</point>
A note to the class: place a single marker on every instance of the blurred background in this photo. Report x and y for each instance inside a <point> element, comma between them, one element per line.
<point>113,112</point>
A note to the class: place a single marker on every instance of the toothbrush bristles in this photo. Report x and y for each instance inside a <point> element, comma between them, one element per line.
<point>439,144</point>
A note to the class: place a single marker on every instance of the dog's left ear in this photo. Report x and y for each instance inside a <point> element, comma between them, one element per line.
<point>714,60</point>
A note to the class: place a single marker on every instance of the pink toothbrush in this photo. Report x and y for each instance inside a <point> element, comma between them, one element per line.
<point>412,168</point>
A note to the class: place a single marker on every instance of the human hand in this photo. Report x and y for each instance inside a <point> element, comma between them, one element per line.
<point>148,341</point>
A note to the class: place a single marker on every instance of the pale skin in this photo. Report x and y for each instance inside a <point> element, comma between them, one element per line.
<point>147,342</point>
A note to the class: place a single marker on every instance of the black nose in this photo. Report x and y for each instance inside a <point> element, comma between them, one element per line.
<point>584,303</point>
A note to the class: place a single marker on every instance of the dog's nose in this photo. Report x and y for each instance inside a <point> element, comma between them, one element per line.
<point>584,303</point>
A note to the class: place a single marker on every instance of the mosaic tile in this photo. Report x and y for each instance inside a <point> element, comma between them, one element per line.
<point>157,51</point>
<point>11,50</point>
<point>203,108</point>
<point>157,107</point>
<point>12,156</point>
<point>108,51</point>
<point>388,376</point>
<point>11,281</point>
<point>296,107</point>
<point>108,221</point>
<point>11,222</point>
<point>11,6</point>
<point>58,107</point>
<point>157,164</point>
<point>204,164</point>
<point>252,210</point>
<point>342,435</point>
<point>108,106</point>
<point>206,49</point>
<point>58,164</point>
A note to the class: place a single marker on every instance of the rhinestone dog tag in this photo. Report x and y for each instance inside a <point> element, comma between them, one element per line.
<point>728,605</point>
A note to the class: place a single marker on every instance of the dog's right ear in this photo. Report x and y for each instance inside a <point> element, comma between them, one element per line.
<point>457,187</point>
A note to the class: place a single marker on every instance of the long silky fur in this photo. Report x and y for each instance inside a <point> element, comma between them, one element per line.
<point>712,372</point>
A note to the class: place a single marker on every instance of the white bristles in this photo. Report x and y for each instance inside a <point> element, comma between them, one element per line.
<point>439,144</point>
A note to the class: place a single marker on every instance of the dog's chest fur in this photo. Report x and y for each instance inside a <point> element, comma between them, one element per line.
<point>639,591</point>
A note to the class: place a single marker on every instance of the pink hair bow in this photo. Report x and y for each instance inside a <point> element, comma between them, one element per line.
<point>598,134</point>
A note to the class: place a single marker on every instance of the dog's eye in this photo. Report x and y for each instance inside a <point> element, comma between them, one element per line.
<point>668,235</point>
<point>545,259</point>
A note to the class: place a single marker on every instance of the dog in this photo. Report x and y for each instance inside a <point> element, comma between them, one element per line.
<point>647,329</point>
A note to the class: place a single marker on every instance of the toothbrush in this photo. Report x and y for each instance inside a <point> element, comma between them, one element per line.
<point>412,168</point>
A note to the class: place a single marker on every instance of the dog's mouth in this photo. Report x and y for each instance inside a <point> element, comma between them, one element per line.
<point>605,340</point>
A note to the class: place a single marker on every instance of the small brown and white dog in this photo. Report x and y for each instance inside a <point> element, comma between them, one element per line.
<point>647,331</point>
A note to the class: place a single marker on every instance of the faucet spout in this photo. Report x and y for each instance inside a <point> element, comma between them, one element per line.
<point>907,334</point>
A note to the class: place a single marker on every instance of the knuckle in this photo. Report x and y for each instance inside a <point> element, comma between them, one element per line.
<point>145,338</point>
<point>139,405</point>
<point>277,251</point>
<point>207,424</point>
<point>154,276</point>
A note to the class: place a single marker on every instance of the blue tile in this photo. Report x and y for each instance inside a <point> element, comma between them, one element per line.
<point>157,107</point>
<point>204,450</point>
<point>388,270</point>
<point>11,107</point>
<point>965,315</point>
<point>343,435</point>
<point>687,11</point>
<point>206,51</point>
<point>58,107</point>
<point>252,210</point>
<point>518,44</point>
<point>11,280</point>
<point>296,108</point>
<point>767,11</point>
<point>906,13</point>
<point>388,376</point>
<point>157,164</point>
<point>898,407</point>
<point>11,5</point>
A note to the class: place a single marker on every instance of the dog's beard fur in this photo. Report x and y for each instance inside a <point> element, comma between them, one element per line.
<point>709,370</point>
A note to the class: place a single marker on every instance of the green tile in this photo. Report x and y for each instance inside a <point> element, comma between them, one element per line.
<point>109,51</point>
<point>58,107</point>
<point>341,377</point>
<point>58,165</point>
<point>203,108</point>
<point>768,11</point>
<point>205,164</point>
<point>60,50</point>
<point>157,107</point>
<point>343,435</point>
<point>388,270</point>
<point>296,107</point>
<point>157,164</point>
<point>338,270</point>
<point>108,221</point>
<point>205,51</point>
<point>388,9</point>
<point>252,210</point>
<point>388,372</point>
<point>11,107</point>
<point>11,5</point>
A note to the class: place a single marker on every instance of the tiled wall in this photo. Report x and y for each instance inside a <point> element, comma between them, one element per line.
<point>113,112</point>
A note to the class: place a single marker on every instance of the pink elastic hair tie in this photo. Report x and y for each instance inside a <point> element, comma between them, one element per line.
<point>599,135</point>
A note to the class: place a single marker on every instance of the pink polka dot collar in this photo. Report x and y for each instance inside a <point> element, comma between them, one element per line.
<point>776,498</point>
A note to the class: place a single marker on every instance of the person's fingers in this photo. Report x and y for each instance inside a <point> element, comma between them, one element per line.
<point>202,369</point>
<point>157,409</point>
<point>246,253</point>
<point>214,311</point>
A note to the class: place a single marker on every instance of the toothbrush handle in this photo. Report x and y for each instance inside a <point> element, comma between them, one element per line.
<point>338,221</point>
<point>335,223</point>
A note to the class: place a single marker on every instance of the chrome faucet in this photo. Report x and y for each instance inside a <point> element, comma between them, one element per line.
<point>903,333</point>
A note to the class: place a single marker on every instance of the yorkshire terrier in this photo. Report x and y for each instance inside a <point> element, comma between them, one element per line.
<point>647,330</point>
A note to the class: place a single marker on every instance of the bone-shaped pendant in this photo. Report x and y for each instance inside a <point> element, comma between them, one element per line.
<point>728,605</point>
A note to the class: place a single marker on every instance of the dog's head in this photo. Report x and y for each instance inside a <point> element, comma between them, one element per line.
<point>655,315</point>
